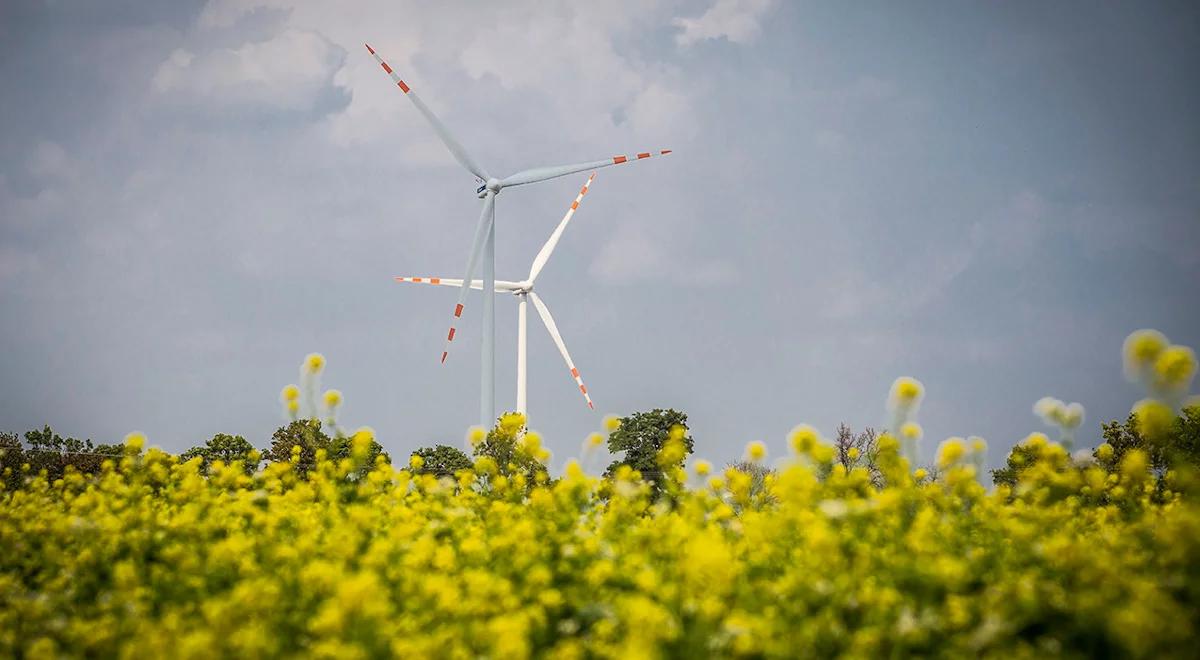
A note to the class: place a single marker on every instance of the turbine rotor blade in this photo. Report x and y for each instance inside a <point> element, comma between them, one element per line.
<point>481,232</point>
<point>558,341</point>
<point>460,154</point>
<point>543,173</point>
<point>544,254</point>
<point>430,280</point>
<point>502,286</point>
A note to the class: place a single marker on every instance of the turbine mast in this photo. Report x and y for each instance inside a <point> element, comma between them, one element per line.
<point>522,324</point>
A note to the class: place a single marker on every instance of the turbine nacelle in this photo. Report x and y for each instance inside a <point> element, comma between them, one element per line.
<point>493,184</point>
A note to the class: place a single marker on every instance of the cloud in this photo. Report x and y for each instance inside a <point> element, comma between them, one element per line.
<point>293,72</point>
<point>50,161</point>
<point>738,21</point>
<point>658,112</point>
<point>633,255</point>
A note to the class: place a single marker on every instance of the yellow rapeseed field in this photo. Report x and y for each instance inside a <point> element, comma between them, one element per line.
<point>150,558</point>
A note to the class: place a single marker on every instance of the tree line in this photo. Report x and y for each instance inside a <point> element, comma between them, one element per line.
<point>651,443</point>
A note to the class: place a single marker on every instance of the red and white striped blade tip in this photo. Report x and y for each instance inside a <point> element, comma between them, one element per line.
<point>617,160</point>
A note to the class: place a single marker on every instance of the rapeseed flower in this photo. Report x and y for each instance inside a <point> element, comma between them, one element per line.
<point>150,557</point>
<point>756,451</point>
<point>1140,351</point>
<point>314,363</point>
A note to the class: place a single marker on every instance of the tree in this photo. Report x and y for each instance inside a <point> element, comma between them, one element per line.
<point>442,461</point>
<point>1019,459</point>
<point>642,436</point>
<point>758,474</point>
<point>12,457</point>
<point>1178,448</point>
<point>853,450</point>
<point>51,452</point>
<point>506,445</point>
<point>226,448</point>
<point>308,436</point>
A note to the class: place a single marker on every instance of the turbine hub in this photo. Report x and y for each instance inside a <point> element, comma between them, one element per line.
<point>493,184</point>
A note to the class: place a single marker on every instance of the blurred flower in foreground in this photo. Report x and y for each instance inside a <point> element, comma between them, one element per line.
<point>903,402</point>
<point>1066,417</point>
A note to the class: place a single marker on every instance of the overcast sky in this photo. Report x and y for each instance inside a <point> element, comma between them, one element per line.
<point>986,196</point>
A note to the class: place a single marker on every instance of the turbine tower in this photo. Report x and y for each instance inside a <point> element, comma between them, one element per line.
<point>524,293</point>
<point>484,243</point>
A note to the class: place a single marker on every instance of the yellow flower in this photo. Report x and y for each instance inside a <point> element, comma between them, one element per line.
<point>595,440</point>
<point>920,473</point>
<point>911,431</point>
<point>703,468</point>
<point>756,451</point>
<point>612,423</point>
<point>416,462</point>
<point>1141,348</point>
<point>1134,465</point>
<point>135,441</point>
<point>1036,440</point>
<point>853,453</point>
<point>475,436</point>
<point>333,398</point>
<point>1154,418</point>
<point>1049,409</point>
<point>803,438</point>
<point>293,407</point>
<point>822,453</point>
<point>1072,415</point>
<point>314,363</point>
<point>1104,452</point>
<point>978,445</point>
<point>512,423</point>
<point>950,452</point>
<point>290,393</point>
<point>485,465</point>
<point>1175,367</point>
<point>906,392</point>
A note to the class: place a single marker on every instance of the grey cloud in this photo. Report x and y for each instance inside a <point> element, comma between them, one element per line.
<point>290,74</point>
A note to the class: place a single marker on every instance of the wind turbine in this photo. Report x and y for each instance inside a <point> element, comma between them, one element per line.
<point>523,291</point>
<point>484,242</point>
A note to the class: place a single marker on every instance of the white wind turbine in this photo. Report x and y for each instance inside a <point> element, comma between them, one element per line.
<point>484,243</point>
<point>523,290</point>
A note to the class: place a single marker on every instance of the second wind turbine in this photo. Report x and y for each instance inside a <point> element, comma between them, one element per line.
<point>484,242</point>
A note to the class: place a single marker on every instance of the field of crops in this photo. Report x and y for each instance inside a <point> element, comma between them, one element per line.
<point>152,558</point>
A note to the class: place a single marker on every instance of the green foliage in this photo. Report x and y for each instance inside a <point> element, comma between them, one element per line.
<point>1021,458</point>
<point>442,460</point>
<point>226,448</point>
<point>12,457</point>
<point>505,444</point>
<point>642,437</point>
<point>46,450</point>
<point>308,436</point>
<point>1179,447</point>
